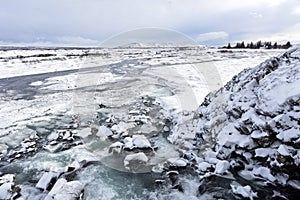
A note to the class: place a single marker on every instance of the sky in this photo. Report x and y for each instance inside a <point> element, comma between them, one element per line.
<point>90,22</point>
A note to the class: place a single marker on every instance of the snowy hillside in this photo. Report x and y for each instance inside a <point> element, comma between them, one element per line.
<point>249,131</point>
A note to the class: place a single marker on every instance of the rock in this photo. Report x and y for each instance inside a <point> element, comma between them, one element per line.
<point>283,150</point>
<point>69,191</point>
<point>177,162</point>
<point>204,166</point>
<point>73,166</point>
<point>245,191</point>
<point>59,184</point>
<point>6,191</point>
<point>83,133</point>
<point>116,147</point>
<point>136,141</point>
<point>140,141</point>
<point>139,158</point>
<point>47,180</point>
<point>222,166</point>
<point>103,131</point>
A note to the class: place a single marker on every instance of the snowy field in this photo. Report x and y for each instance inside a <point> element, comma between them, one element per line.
<point>109,122</point>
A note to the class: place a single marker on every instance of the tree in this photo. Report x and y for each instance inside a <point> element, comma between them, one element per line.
<point>259,44</point>
<point>243,45</point>
<point>228,46</point>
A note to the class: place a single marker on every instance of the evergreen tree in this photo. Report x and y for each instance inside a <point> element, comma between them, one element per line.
<point>243,45</point>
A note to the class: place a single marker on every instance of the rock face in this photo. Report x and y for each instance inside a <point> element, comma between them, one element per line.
<point>250,128</point>
<point>254,121</point>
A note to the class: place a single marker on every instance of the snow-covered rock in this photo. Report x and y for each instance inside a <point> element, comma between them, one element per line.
<point>69,191</point>
<point>250,126</point>
<point>8,189</point>
<point>136,141</point>
<point>103,131</point>
<point>139,158</point>
<point>47,179</point>
<point>222,166</point>
<point>244,191</point>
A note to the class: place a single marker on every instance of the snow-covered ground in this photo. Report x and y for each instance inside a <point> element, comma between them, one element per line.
<point>117,123</point>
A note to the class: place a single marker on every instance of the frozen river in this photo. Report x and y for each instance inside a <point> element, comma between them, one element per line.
<point>106,115</point>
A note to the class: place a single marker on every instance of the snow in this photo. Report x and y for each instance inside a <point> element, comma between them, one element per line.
<point>263,152</point>
<point>5,191</point>
<point>289,134</point>
<point>264,172</point>
<point>177,162</point>
<point>69,191</point>
<point>179,85</point>
<point>46,179</point>
<point>222,166</point>
<point>244,191</point>
<point>141,157</point>
<point>140,141</point>
<point>59,184</point>
<point>104,131</point>
<point>283,150</point>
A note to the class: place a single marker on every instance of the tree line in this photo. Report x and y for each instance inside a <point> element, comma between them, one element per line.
<point>258,45</point>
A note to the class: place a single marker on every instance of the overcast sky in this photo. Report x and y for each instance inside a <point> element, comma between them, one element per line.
<point>89,22</point>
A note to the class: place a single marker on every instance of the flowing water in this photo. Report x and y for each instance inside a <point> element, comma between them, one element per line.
<point>143,91</point>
